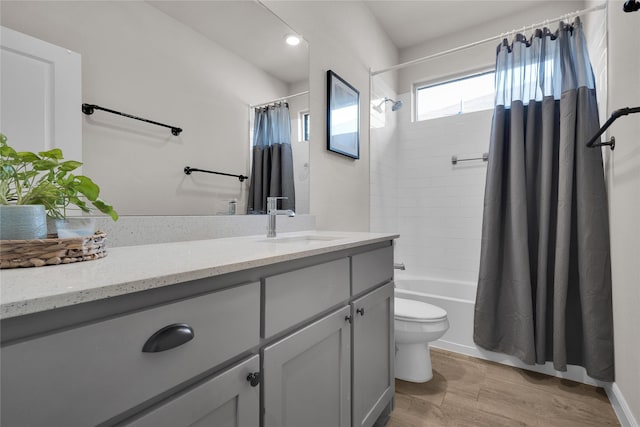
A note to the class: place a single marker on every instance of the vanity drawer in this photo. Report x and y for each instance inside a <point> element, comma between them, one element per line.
<point>292,297</point>
<point>86,375</point>
<point>371,269</point>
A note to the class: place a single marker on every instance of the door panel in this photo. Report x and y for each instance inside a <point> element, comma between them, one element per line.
<point>373,353</point>
<point>226,400</point>
<point>307,376</point>
<point>41,95</point>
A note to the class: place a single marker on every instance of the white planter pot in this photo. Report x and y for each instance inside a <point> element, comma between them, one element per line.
<point>23,222</point>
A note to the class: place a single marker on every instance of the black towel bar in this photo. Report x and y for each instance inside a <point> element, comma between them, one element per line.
<point>614,116</point>
<point>189,169</point>
<point>89,109</point>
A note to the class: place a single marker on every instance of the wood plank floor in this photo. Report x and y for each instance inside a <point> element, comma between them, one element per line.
<point>466,391</point>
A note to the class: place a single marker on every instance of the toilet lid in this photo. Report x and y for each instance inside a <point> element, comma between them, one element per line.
<point>406,309</point>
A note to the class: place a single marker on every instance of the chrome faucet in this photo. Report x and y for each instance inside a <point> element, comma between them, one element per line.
<point>273,212</point>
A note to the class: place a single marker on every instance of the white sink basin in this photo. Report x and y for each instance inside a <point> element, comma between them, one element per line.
<point>308,238</point>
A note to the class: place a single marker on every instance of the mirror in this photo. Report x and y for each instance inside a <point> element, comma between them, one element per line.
<point>343,117</point>
<point>198,65</point>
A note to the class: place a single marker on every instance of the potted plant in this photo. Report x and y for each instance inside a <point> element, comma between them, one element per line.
<point>42,182</point>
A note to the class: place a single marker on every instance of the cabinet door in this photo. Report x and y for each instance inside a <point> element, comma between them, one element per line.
<point>41,95</point>
<point>307,376</point>
<point>226,400</point>
<point>373,355</point>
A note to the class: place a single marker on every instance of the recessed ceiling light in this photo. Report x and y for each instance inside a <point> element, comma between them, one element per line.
<point>292,40</point>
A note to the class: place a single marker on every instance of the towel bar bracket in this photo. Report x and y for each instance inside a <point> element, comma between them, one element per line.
<point>611,143</point>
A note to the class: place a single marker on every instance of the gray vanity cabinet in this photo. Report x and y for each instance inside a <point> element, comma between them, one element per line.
<point>373,355</point>
<point>307,375</point>
<point>85,375</point>
<point>304,343</point>
<point>226,400</point>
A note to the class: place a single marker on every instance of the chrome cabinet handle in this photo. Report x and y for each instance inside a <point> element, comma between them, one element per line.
<point>169,337</point>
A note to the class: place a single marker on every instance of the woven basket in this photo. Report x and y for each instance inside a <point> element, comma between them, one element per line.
<point>51,251</point>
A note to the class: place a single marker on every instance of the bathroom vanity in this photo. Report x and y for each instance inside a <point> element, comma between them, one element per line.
<point>247,331</point>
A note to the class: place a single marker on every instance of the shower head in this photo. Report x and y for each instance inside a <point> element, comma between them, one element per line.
<point>395,107</point>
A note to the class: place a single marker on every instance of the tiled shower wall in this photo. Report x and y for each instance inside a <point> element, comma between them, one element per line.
<point>440,204</point>
<point>383,154</point>
<point>416,191</point>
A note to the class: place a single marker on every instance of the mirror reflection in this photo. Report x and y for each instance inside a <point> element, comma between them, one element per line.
<point>201,65</point>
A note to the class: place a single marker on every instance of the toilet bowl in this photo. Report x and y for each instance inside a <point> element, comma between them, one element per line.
<point>416,324</point>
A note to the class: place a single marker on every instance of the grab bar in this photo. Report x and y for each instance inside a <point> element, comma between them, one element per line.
<point>455,159</point>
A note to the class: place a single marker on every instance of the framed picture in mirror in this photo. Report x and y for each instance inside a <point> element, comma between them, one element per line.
<point>343,117</point>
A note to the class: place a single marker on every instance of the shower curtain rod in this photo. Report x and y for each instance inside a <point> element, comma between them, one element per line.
<point>498,37</point>
<point>279,99</point>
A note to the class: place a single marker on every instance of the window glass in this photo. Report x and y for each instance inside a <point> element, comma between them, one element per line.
<point>474,93</point>
<point>304,126</point>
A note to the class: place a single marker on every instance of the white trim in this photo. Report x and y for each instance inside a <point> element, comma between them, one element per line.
<point>620,406</point>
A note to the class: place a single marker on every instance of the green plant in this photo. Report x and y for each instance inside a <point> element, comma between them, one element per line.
<point>45,179</point>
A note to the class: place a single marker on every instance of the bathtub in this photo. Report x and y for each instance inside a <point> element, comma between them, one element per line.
<point>457,298</point>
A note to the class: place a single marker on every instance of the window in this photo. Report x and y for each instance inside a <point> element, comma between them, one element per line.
<point>473,93</point>
<point>304,126</point>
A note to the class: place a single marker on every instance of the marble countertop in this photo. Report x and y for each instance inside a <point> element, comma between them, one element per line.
<point>137,268</point>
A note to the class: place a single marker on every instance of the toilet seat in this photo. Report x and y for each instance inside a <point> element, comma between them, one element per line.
<point>418,311</point>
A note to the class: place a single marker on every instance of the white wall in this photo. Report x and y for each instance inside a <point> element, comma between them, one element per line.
<point>343,37</point>
<point>624,201</point>
<point>480,57</point>
<point>138,60</point>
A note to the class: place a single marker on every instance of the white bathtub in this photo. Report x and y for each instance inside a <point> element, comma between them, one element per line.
<point>457,298</point>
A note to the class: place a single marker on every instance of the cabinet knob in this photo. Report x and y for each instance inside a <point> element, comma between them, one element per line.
<point>347,318</point>
<point>169,337</point>
<point>254,378</point>
<point>361,311</point>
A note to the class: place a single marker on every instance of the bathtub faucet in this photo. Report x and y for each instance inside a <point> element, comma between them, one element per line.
<point>273,212</point>
<point>399,266</point>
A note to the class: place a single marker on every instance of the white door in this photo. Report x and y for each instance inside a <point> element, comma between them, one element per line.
<point>41,95</point>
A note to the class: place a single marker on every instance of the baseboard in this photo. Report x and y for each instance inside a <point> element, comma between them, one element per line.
<point>620,406</point>
<point>573,373</point>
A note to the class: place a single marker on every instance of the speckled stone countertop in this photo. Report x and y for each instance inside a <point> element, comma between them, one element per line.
<point>137,268</point>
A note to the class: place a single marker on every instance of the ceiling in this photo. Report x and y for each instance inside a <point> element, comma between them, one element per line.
<point>247,29</point>
<point>233,24</point>
<point>408,23</point>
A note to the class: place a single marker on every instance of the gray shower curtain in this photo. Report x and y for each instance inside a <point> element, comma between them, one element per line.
<point>544,289</point>
<point>272,159</point>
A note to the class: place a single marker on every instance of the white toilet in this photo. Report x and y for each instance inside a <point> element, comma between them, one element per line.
<point>416,324</point>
